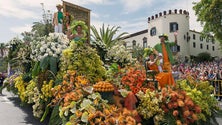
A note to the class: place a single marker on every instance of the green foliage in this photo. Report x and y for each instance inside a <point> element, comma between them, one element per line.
<point>106,35</point>
<point>54,118</point>
<point>209,13</point>
<point>26,77</point>
<point>53,64</point>
<point>200,93</point>
<point>2,49</point>
<point>3,65</point>
<point>36,69</point>
<point>84,60</point>
<point>49,63</point>
<point>14,46</point>
<point>138,53</point>
<point>105,38</point>
<point>205,56</point>
<point>42,29</point>
<point>44,63</point>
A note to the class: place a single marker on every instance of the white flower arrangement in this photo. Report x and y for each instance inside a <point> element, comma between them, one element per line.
<point>119,54</point>
<point>51,45</point>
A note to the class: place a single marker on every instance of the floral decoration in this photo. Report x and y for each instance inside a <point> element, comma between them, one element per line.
<point>134,79</point>
<point>118,54</point>
<point>49,46</point>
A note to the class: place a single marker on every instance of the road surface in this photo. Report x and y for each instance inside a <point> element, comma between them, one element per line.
<point>12,113</point>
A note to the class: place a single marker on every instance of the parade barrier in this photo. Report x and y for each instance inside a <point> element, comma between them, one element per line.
<point>217,87</point>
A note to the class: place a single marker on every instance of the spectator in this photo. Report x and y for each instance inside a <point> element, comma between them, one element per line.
<point>2,78</point>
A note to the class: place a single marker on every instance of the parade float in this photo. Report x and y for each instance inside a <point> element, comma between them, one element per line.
<point>68,83</point>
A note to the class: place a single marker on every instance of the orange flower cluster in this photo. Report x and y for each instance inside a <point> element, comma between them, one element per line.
<point>181,106</point>
<point>113,116</point>
<point>70,89</point>
<point>103,86</point>
<point>134,79</point>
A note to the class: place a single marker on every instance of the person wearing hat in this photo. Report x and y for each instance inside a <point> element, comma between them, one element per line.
<point>163,78</point>
<point>164,48</point>
<point>58,19</point>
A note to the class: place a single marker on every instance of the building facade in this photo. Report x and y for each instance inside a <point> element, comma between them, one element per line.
<point>190,42</point>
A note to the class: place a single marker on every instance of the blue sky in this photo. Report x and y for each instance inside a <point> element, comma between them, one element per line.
<point>18,16</point>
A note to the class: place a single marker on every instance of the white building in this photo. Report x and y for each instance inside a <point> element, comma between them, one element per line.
<point>190,43</point>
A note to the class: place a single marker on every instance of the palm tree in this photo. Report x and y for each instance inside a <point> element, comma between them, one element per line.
<point>105,39</point>
<point>106,35</point>
<point>42,29</point>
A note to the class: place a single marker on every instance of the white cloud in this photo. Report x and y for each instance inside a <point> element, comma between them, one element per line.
<point>12,9</point>
<point>94,15</point>
<point>134,5</point>
<point>20,29</point>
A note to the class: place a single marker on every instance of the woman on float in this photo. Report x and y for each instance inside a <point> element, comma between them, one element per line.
<point>78,32</point>
<point>163,78</point>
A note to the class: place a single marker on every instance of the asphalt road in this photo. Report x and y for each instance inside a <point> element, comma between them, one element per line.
<point>12,113</point>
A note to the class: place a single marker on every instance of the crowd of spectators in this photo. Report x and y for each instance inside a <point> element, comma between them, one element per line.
<point>199,71</point>
<point>204,71</point>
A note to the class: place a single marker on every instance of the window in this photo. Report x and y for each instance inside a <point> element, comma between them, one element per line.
<point>173,27</point>
<point>194,45</point>
<point>207,47</point>
<point>134,43</point>
<point>201,46</point>
<point>213,48</point>
<point>144,42</point>
<point>194,36</point>
<point>201,38</point>
<point>153,31</point>
<point>175,48</point>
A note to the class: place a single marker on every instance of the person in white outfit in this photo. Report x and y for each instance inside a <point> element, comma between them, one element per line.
<point>58,19</point>
<point>160,62</point>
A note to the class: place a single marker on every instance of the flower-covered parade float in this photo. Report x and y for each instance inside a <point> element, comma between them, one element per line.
<point>70,84</point>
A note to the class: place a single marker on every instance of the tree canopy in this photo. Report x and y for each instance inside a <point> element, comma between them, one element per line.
<point>209,13</point>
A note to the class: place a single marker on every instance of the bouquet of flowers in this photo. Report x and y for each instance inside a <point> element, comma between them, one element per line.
<point>134,79</point>
<point>201,94</point>
<point>118,54</point>
<point>178,107</point>
<point>83,59</point>
<point>149,106</point>
<point>49,46</point>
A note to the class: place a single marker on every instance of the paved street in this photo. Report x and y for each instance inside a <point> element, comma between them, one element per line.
<point>11,113</point>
